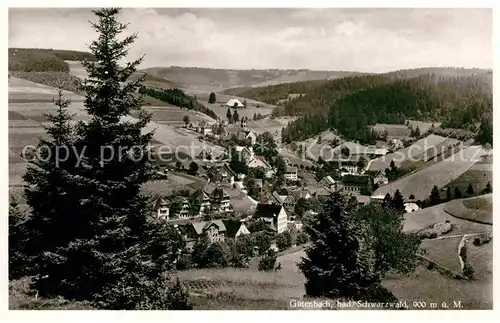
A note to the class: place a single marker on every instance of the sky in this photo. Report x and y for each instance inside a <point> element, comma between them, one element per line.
<point>364,40</point>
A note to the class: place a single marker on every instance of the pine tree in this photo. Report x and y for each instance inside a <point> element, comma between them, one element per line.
<point>470,190</point>
<point>335,264</point>
<point>435,197</point>
<point>387,202</point>
<point>236,116</point>
<point>212,98</point>
<point>100,247</point>
<point>229,116</point>
<point>458,193</point>
<point>50,194</point>
<point>398,202</point>
<point>18,259</point>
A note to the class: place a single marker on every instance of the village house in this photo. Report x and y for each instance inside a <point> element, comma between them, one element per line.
<point>221,173</point>
<point>246,154</point>
<point>275,198</point>
<point>181,209</point>
<point>214,231</point>
<point>234,103</point>
<point>200,203</point>
<point>162,208</point>
<point>208,154</point>
<point>220,200</point>
<point>355,184</point>
<point>291,173</point>
<point>235,228</point>
<point>349,167</point>
<point>291,199</point>
<point>380,179</point>
<point>204,128</point>
<point>259,161</point>
<point>328,182</point>
<point>275,215</point>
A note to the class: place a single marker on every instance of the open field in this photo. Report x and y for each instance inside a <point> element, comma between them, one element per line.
<point>481,259</point>
<point>28,102</point>
<point>444,252</point>
<point>172,115</point>
<point>422,125</point>
<point>393,130</point>
<point>410,152</point>
<point>439,174</point>
<point>220,108</point>
<point>476,209</point>
<point>478,176</point>
<point>424,218</point>
<point>433,287</point>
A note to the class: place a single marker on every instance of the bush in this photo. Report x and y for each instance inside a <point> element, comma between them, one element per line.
<point>463,253</point>
<point>482,240</point>
<point>184,262</point>
<point>268,261</point>
<point>302,238</point>
<point>284,241</point>
<point>468,271</point>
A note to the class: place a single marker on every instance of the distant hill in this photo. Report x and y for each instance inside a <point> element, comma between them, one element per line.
<point>217,80</point>
<point>459,98</point>
<point>43,60</point>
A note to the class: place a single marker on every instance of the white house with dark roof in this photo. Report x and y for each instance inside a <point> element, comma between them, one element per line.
<point>291,173</point>
<point>275,215</point>
<point>232,103</point>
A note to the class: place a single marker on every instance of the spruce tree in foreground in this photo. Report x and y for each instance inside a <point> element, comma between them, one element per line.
<point>18,262</point>
<point>336,264</point>
<point>50,192</point>
<point>101,244</point>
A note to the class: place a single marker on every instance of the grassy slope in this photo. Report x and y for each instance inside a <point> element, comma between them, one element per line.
<point>477,209</point>
<point>424,218</point>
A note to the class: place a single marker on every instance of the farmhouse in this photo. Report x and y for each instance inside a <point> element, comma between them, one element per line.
<point>291,173</point>
<point>234,103</point>
<point>273,214</point>
<point>235,228</point>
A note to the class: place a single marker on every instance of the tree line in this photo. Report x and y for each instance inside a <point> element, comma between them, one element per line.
<point>178,98</point>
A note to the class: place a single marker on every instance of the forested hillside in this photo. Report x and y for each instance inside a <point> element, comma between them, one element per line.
<point>352,104</point>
